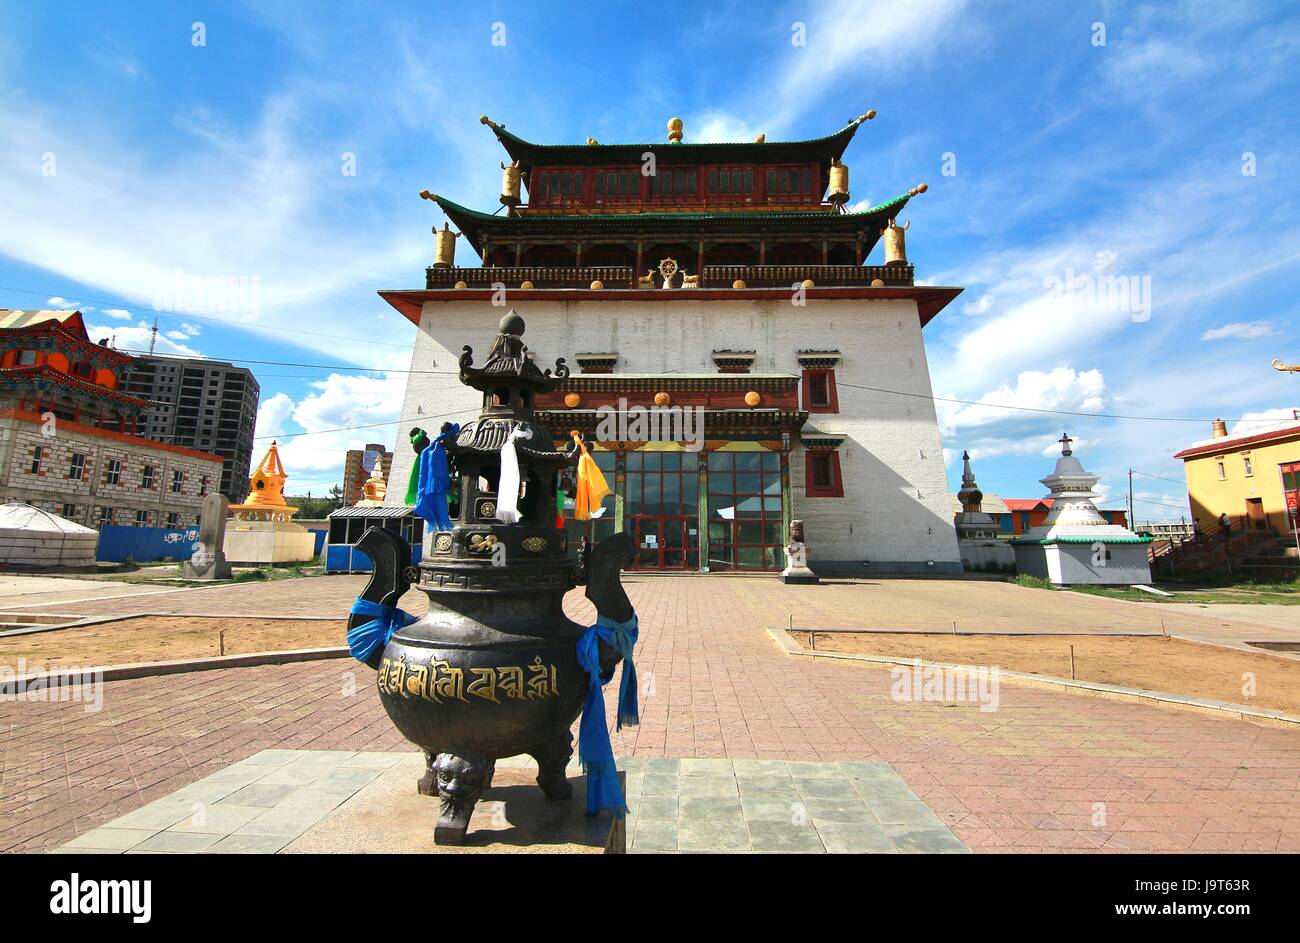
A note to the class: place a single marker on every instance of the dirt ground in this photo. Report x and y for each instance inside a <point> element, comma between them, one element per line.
<point>1152,662</point>
<point>165,638</point>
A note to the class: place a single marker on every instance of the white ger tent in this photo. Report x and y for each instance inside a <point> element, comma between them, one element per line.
<point>32,537</point>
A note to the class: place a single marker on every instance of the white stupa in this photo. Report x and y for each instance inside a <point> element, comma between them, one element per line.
<point>32,537</point>
<point>1075,544</point>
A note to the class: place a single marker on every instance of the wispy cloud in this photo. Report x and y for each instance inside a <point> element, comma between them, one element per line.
<point>1240,330</point>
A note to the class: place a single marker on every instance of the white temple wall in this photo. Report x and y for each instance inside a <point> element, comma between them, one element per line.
<point>896,513</point>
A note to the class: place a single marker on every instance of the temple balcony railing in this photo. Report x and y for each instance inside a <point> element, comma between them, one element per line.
<point>714,276</point>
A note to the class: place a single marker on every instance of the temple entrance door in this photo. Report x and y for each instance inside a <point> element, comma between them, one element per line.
<point>662,543</point>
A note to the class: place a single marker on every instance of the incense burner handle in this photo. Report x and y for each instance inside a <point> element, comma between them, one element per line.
<point>390,578</point>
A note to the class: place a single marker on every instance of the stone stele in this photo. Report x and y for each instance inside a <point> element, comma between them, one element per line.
<point>209,559</point>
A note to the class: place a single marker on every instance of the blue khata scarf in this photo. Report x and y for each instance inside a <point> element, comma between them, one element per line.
<point>364,639</point>
<point>594,749</point>
<point>434,485</point>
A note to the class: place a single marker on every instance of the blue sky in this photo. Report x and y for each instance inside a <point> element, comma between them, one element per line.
<point>1106,140</point>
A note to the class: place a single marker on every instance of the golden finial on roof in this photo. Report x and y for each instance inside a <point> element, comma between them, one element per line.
<point>675,130</point>
<point>1286,368</point>
<point>760,139</point>
<point>484,119</point>
<point>871,113</point>
<point>591,140</point>
<point>426,195</point>
<point>919,188</point>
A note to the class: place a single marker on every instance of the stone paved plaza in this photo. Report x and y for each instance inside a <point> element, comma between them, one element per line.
<point>1047,771</point>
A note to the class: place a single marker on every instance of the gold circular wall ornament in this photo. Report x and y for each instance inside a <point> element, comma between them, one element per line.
<point>738,283</point>
<point>526,284</point>
<point>462,285</point>
<point>877,283</point>
<point>597,284</point>
<point>808,283</point>
<point>534,544</point>
<point>662,399</point>
<point>442,543</point>
<point>752,398</point>
<point>572,400</point>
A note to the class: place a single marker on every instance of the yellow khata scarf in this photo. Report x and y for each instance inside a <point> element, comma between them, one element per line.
<point>592,487</point>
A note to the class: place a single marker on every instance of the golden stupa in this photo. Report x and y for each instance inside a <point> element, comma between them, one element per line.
<point>265,491</point>
<point>374,487</point>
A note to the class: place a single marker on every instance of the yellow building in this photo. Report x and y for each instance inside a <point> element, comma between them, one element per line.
<point>1253,476</point>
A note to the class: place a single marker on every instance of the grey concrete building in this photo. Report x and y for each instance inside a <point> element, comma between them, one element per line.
<point>210,405</point>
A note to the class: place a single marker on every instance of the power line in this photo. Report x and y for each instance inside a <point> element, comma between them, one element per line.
<point>372,425</point>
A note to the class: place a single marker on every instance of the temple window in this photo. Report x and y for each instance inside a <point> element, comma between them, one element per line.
<point>822,475</point>
<point>178,479</point>
<point>37,453</point>
<point>674,183</point>
<point>76,467</point>
<point>730,180</point>
<point>114,472</point>
<point>618,184</point>
<point>781,180</point>
<point>146,478</point>
<point>81,370</point>
<point>25,358</point>
<point>819,392</point>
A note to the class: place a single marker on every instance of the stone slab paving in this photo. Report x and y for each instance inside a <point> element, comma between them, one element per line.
<point>778,806</point>
<point>1046,771</point>
<point>262,804</point>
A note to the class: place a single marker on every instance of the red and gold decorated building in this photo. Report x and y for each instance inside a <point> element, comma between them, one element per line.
<point>70,437</point>
<point>724,290</point>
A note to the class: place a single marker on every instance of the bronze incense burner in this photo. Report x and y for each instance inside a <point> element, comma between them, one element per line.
<point>492,670</point>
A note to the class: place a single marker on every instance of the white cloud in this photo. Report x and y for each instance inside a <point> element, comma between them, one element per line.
<point>714,127</point>
<point>60,302</point>
<point>847,36</point>
<point>1262,420</point>
<point>135,338</point>
<point>120,314</point>
<point>331,414</point>
<point>981,305</point>
<point>1240,330</point>
<point>986,427</point>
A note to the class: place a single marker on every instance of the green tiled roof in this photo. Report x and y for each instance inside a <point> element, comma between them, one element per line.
<point>475,225</point>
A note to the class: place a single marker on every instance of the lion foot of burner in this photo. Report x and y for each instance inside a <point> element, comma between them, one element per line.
<point>552,758</point>
<point>460,780</point>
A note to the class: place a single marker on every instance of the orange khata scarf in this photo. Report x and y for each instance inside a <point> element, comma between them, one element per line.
<point>592,487</point>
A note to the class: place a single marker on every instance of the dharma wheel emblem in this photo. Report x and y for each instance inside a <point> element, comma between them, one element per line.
<point>667,269</point>
<point>411,574</point>
<point>534,544</point>
<point>442,543</point>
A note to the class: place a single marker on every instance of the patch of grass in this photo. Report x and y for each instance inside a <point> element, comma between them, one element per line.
<point>1033,582</point>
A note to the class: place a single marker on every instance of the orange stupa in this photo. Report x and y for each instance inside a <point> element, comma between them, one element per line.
<point>266,491</point>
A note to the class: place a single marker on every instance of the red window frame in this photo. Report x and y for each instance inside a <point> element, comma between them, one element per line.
<point>813,490</point>
<point>833,400</point>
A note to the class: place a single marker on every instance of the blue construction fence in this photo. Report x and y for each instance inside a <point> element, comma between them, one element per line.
<point>345,558</point>
<point>118,543</point>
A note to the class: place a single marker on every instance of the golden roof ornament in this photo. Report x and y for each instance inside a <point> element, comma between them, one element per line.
<point>675,130</point>
<point>760,139</point>
<point>895,242</point>
<point>838,190</point>
<point>444,246</point>
<point>591,141</point>
<point>1286,368</point>
<point>510,183</point>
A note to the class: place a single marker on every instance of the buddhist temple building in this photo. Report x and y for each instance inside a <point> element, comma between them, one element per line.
<point>737,358</point>
<point>72,438</point>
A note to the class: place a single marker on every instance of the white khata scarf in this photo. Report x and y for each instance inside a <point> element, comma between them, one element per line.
<point>508,484</point>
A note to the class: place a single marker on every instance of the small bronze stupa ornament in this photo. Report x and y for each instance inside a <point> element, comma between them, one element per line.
<point>492,671</point>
